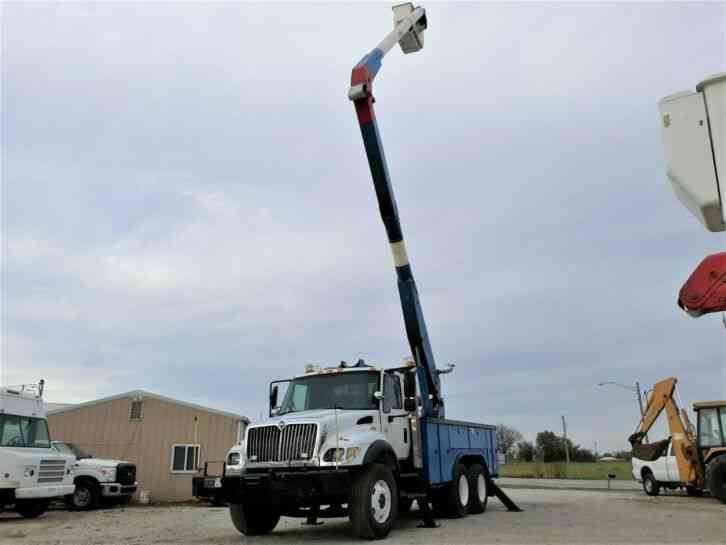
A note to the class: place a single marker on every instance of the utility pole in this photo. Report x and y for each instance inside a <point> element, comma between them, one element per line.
<point>567,446</point>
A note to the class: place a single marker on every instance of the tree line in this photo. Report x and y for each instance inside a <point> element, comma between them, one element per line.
<point>547,447</point>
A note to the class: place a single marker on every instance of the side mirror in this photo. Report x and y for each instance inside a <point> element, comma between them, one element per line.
<point>409,404</point>
<point>378,395</point>
<point>273,399</point>
<point>409,384</point>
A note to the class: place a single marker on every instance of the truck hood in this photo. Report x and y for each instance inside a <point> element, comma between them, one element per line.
<point>31,456</point>
<point>98,462</point>
<point>347,421</point>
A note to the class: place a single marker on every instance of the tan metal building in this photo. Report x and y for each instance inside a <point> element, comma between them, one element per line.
<point>166,438</point>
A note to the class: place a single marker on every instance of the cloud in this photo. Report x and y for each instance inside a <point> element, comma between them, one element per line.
<point>186,206</point>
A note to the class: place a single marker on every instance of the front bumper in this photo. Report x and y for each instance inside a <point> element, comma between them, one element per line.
<point>37,492</point>
<point>288,487</point>
<point>207,487</point>
<point>115,490</point>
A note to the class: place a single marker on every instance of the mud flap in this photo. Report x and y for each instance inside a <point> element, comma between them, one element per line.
<point>502,497</point>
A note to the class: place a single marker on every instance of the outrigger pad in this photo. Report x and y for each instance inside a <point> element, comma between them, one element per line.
<point>502,497</point>
<point>427,515</point>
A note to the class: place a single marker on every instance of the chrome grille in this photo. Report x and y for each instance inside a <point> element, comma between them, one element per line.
<point>294,443</point>
<point>51,471</point>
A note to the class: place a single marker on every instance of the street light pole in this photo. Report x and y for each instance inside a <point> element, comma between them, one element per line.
<point>635,389</point>
<point>640,399</point>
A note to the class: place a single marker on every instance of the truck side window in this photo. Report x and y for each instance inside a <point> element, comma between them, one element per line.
<point>708,428</point>
<point>392,398</point>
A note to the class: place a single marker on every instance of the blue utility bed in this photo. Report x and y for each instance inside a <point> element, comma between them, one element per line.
<point>445,442</point>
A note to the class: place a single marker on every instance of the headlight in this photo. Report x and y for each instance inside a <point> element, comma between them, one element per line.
<point>351,453</point>
<point>334,455</point>
<point>29,471</point>
<point>341,454</point>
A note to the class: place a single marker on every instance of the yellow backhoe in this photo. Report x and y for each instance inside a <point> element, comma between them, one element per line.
<point>700,453</point>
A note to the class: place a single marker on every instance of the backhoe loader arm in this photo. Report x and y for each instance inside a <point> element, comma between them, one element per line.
<point>679,426</point>
<point>662,393</point>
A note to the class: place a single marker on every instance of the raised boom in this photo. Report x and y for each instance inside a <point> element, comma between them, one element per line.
<point>410,23</point>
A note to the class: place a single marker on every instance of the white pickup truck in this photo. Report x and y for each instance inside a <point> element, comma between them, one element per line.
<point>97,479</point>
<point>660,473</point>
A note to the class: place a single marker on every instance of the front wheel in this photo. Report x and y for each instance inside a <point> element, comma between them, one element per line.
<point>85,497</point>
<point>650,485</point>
<point>478,489</point>
<point>31,509</point>
<point>254,520</point>
<point>716,478</point>
<point>373,502</point>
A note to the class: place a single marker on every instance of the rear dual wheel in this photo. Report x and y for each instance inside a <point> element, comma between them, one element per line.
<point>453,500</point>
<point>478,489</point>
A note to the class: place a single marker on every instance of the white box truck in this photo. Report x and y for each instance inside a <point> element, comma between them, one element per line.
<point>32,473</point>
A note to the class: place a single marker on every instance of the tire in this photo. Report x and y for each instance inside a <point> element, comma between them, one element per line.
<point>31,509</point>
<point>478,489</point>
<point>650,485</point>
<point>218,502</point>
<point>373,502</point>
<point>405,504</point>
<point>455,496</point>
<point>85,497</point>
<point>693,491</point>
<point>254,520</point>
<point>716,478</point>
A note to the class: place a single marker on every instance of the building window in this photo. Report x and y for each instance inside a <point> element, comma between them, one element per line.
<point>136,410</point>
<point>184,458</point>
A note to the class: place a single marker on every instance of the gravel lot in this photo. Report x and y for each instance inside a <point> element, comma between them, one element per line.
<point>551,516</point>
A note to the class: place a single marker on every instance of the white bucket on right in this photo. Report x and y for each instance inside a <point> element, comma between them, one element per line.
<point>144,497</point>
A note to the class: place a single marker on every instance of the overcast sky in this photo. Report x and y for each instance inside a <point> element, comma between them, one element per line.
<point>186,206</point>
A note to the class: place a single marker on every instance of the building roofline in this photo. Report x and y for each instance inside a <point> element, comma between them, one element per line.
<point>146,394</point>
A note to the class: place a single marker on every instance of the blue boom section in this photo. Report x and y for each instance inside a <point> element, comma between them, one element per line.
<point>416,331</point>
<point>446,442</point>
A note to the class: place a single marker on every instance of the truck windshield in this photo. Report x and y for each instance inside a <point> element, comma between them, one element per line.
<point>23,431</point>
<point>352,390</point>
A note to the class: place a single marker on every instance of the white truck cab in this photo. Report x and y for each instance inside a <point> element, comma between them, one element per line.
<point>331,417</point>
<point>98,479</point>
<point>32,473</point>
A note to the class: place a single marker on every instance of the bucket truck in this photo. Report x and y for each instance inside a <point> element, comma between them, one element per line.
<point>358,440</point>
<point>690,458</point>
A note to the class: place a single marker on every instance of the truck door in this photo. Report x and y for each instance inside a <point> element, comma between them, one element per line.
<point>395,418</point>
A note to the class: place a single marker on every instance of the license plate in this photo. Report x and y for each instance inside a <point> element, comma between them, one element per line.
<point>212,483</point>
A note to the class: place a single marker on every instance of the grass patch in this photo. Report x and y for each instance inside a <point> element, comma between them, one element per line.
<point>557,470</point>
